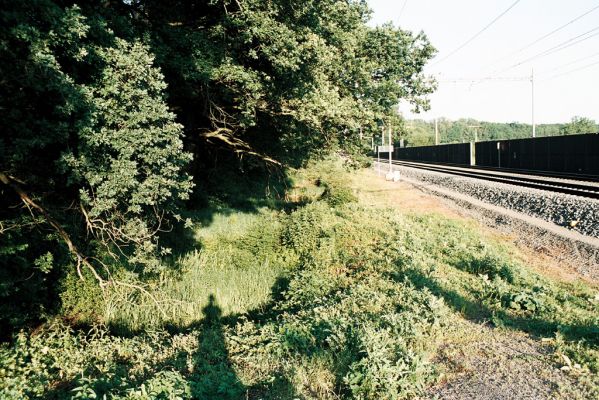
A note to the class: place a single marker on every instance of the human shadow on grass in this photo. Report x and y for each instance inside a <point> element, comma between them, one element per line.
<point>477,311</point>
<point>213,375</point>
<point>210,377</point>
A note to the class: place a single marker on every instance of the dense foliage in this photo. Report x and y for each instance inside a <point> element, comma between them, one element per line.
<point>113,110</point>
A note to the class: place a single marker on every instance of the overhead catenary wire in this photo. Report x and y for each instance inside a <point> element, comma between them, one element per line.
<point>489,79</point>
<point>402,8</point>
<point>471,39</point>
<point>572,71</point>
<point>573,62</point>
<point>545,36</point>
<point>562,46</point>
<point>551,65</point>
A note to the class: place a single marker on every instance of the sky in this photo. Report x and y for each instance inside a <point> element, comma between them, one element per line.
<point>566,80</point>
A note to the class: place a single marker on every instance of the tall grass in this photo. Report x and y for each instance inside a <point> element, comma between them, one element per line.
<point>238,262</point>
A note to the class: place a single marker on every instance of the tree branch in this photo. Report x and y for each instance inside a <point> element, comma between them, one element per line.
<point>225,135</point>
<point>30,204</point>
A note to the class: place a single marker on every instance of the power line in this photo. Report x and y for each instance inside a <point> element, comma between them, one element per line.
<point>467,42</point>
<point>402,8</point>
<point>547,35</point>
<point>489,79</point>
<point>564,45</point>
<point>572,71</point>
<point>573,62</point>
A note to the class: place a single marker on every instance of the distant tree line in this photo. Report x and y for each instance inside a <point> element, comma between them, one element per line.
<point>422,133</point>
<point>115,112</point>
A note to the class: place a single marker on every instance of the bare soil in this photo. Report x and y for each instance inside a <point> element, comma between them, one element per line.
<point>491,363</point>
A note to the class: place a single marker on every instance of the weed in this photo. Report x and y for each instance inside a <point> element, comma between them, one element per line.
<point>328,300</point>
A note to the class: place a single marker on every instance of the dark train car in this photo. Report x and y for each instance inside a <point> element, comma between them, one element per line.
<point>576,154</point>
<point>458,153</point>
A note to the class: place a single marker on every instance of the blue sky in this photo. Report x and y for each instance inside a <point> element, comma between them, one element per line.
<point>561,92</point>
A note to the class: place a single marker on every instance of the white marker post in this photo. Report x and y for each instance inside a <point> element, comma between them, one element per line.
<point>499,154</point>
<point>378,153</point>
<point>390,151</point>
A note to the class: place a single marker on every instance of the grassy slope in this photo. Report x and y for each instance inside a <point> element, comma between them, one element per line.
<point>339,298</point>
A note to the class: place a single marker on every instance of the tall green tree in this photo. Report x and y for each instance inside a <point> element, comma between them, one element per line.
<point>282,77</point>
<point>92,159</point>
<point>579,125</point>
<point>109,107</point>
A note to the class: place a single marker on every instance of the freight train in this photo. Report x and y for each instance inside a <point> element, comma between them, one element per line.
<point>572,154</point>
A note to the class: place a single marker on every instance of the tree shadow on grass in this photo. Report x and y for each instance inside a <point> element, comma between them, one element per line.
<point>479,312</point>
<point>224,194</point>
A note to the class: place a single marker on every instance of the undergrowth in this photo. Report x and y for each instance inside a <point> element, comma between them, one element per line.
<point>330,300</point>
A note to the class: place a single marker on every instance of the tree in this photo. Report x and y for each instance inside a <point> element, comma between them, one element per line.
<point>108,108</point>
<point>89,147</point>
<point>281,77</point>
<point>579,125</point>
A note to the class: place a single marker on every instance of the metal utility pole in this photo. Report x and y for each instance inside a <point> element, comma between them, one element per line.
<point>532,81</point>
<point>436,132</point>
<point>378,152</point>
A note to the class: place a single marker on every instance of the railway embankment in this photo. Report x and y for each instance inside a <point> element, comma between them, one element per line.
<point>540,219</point>
<point>485,356</point>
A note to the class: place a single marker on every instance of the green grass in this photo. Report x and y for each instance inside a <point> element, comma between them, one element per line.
<point>238,260</point>
<point>328,299</point>
<point>479,278</point>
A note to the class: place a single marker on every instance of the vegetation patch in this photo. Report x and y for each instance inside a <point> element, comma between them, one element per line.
<point>322,302</point>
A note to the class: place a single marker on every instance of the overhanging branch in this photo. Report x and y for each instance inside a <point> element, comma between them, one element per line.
<point>26,199</point>
<point>225,135</point>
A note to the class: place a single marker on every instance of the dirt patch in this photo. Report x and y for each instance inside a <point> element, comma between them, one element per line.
<point>374,190</point>
<point>490,363</point>
<point>546,261</point>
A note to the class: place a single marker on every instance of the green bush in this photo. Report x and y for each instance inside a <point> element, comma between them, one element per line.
<point>81,300</point>
<point>337,194</point>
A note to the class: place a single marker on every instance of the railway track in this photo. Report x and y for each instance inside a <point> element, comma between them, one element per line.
<point>586,189</point>
<point>537,173</point>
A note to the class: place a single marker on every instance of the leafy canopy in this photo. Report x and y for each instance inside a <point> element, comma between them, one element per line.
<point>113,110</point>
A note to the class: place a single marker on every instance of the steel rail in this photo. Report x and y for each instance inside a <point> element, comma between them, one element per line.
<point>574,189</point>
<point>517,171</point>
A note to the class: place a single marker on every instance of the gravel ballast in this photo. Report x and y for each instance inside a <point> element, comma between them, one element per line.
<point>572,212</point>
